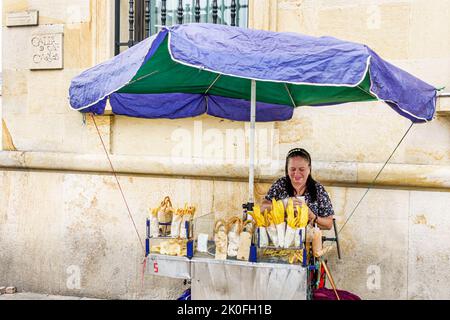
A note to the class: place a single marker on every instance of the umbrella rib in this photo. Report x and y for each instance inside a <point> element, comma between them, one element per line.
<point>364,90</point>
<point>213,83</point>
<point>143,77</point>
<point>290,96</point>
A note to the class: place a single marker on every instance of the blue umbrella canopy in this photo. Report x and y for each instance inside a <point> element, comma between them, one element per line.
<point>193,69</point>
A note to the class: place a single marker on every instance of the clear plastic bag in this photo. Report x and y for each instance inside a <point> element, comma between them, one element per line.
<point>165,211</point>
<point>154,225</point>
<point>281,231</point>
<point>297,239</point>
<point>175,227</point>
<point>263,237</point>
<point>273,234</point>
<point>234,230</point>
<point>245,240</point>
<point>317,242</point>
<point>221,240</point>
<point>187,217</point>
<point>289,237</point>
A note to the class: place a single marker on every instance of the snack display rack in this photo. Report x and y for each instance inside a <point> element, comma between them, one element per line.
<point>259,278</point>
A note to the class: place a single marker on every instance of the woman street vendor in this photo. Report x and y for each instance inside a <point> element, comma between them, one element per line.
<point>298,182</point>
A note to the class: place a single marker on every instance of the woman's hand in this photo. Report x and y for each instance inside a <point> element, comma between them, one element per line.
<point>300,203</point>
<point>311,216</point>
<point>297,202</point>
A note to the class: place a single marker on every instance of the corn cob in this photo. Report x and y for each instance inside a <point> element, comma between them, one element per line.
<point>291,219</point>
<point>266,217</point>
<point>257,216</point>
<point>277,211</point>
<point>280,212</point>
<point>260,217</point>
<point>274,211</point>
<point>303,216</point>
<point>270,217</point>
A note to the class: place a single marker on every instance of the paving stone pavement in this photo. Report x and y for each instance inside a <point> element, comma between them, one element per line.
<point>38,296</point>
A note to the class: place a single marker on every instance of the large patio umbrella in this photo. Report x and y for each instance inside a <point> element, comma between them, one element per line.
<point>245,75</point>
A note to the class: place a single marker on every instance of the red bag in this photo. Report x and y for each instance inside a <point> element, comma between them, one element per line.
<point>328,294</point>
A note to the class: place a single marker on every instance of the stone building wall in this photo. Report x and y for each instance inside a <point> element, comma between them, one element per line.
<point>61,211</point>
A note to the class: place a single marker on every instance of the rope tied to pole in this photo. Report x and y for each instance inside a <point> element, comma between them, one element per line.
<point>118,183</point>
<point>376,177</point>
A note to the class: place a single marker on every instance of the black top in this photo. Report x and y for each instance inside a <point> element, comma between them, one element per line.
<point>322,207</point>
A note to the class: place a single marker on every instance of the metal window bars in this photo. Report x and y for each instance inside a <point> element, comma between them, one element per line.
<point>145,17</point>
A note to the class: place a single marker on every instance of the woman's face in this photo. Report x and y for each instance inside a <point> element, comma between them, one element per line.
<point>298,170</point>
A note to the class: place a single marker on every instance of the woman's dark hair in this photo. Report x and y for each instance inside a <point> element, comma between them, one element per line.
<point>310,182</point>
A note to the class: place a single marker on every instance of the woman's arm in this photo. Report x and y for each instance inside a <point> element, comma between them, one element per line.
<point>324,223</point>
<point>325,219</point>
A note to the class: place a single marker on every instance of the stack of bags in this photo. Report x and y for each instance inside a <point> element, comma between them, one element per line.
<point>178,227</point>
<point>166,221</point>
<point>233,238</point>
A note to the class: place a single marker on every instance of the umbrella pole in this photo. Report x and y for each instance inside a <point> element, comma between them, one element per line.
<point>251,173</point>
<point>251,169</point>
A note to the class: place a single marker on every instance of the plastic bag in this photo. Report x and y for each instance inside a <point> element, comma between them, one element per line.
<point>261,223</point>
<point>317,242</point>
<point>291,225</point>
<point>154,224</point>
<point>175,227</point>
<point>221,240</point>
<point>165,211</point>
<point>187,217</point>
<point>297,239</point>
<point>289,237</point>
<point>281,231</point>
<point>234,226</point>
<point>273,234</point>
<point>245,240</point>
<point>263,237</point>
<point>173,247</point>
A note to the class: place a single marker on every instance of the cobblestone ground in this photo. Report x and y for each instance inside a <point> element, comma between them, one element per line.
<point>37,296</point>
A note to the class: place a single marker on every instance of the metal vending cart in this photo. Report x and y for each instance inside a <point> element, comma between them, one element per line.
<point>261,278</point>
<point>240,280</point>
<point>154,79</point>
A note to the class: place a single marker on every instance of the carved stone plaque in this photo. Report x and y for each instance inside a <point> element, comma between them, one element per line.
<point>46,51</point>
<point>23,18</point>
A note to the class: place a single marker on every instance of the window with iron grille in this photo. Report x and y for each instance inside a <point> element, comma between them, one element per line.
<point>147,17</point>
